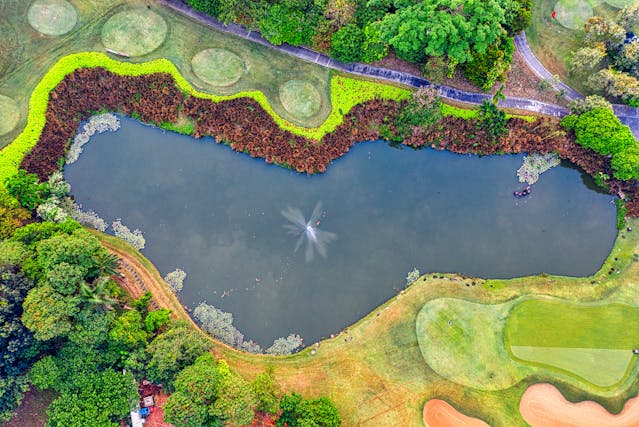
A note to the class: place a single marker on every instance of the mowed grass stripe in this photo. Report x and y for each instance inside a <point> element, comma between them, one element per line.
<point>544,323</point>
<point>601,367</point>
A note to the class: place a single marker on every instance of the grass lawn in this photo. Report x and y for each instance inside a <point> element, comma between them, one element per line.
<point>552,43</point>
<point>376,370</point>
<point>593,342</point>
<point>551,323</point>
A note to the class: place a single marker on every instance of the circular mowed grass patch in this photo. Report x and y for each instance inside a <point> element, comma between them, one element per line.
<point>52,17</point>
<point>300,98</point>
<point>573,14</point>
<point>218,67</point>
<point>134,32</point>
<point>10,114</point>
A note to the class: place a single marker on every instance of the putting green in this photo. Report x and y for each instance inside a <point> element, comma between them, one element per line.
<point>9,114</point>
<point>573,14</point>
<point>463,342</point>
<point>134,32</point>
<point>218,67</point>
<point>593,342</point>
<point>52,17</point>
<point>602,367</point>
<point>300,98</point>
<point>620,3</point>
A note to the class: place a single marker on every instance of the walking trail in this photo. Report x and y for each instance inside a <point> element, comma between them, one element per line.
<point>628,115</point>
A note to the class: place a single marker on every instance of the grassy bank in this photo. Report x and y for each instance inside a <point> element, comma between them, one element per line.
<point>374,370</point>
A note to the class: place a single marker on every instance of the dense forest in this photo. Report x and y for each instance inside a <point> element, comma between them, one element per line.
<point>436,34</point>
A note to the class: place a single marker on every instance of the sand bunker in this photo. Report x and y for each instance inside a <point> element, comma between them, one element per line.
<point>438,413</point>
<point>544,406</point>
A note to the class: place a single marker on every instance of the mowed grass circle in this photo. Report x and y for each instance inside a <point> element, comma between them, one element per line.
<point>134,32</point>
<point>218,67</point>
<point>52,17</point>
<point>300,98</point>
<point>9,114</point>
<point>573,14</point>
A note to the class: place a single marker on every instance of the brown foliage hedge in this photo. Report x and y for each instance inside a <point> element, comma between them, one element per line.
<point>246,127</point>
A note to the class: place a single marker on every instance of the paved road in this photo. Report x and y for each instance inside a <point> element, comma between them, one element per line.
<point>628,115</point>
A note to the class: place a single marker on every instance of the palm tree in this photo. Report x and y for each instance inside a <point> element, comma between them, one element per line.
<point>107,264</point>
<point>97,294</point>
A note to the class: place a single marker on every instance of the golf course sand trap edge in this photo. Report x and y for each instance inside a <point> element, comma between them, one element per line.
<point>544,405</point>
<point>438,413</point>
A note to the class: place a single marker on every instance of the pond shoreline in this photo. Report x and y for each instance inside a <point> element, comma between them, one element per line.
<point>243,124</point>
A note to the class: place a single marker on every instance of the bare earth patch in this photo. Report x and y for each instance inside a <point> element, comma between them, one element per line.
<point>544,406</point>
<point>438,413</point>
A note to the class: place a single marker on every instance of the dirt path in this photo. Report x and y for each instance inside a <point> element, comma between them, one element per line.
<point>544,406</point>
<point>438,413</point>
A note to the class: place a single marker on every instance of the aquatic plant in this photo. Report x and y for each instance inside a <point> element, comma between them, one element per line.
<point>316,239</point>
<point>96,124</point>
<point>134,238</point>
<point>536,164</point>
<point>88,218</point>
<point>283,346</point>
<point>412,275</point>
<point>175,279</point>
<point>219,324</point>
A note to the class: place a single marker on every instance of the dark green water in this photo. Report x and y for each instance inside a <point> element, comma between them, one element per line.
<point>217,214</point>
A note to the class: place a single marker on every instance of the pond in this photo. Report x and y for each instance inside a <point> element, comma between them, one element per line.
<point>218,215</point>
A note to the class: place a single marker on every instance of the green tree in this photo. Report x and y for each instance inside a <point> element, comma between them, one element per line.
<point>488,67</point>
<point>182,411</point>
<point>267,392</point>
<point>580,106</point>
<point>126,333</point>
<point>12,214</point>
<point>587,60</point>
<point>155,319</point>
<point>517,14</point>
<point>66,278</point>
<point>98,399</point>
<point>236,401</point>
<point>455,28</point>
<point>599,30</point>
<point>80,248</point>
<point>628,17</point>
<point>347,43</point>
<point>283,25</point>
<point>17,348</point>
<point>45,373</point>
<point>47,313</point>
<point>173,350</point>
<point>300,412</point>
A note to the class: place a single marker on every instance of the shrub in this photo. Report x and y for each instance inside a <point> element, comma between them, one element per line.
<point>569,121</point>
<point>625,164</point>
<point>488,67</point>
<point>600,130</point>
<point>283,25</point>
<point>26,189</point>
